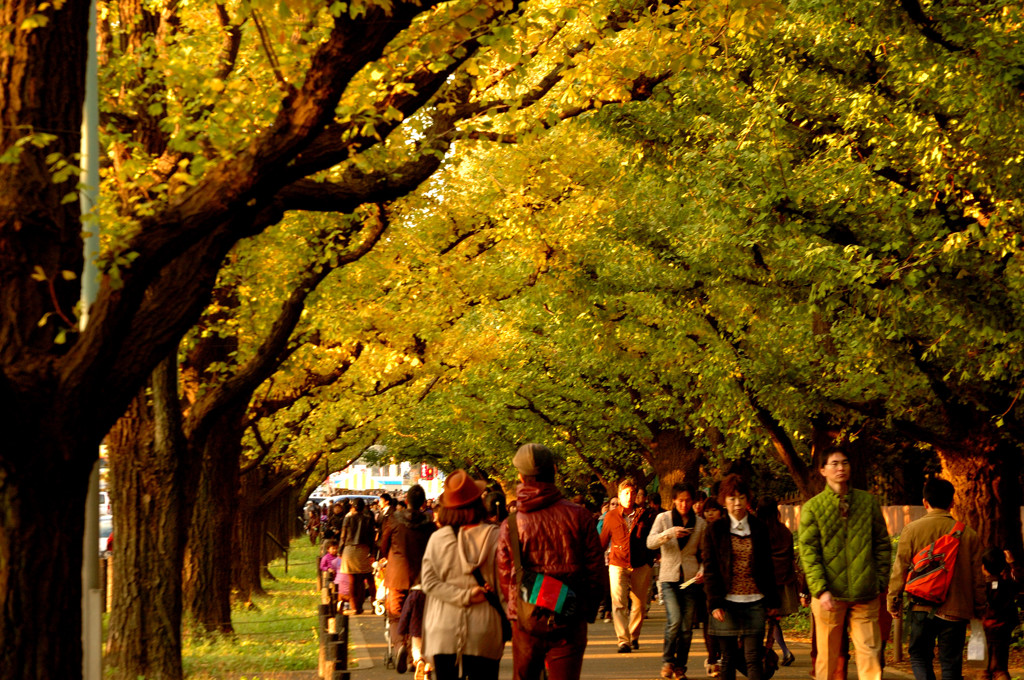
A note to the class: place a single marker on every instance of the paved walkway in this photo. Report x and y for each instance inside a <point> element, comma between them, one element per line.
<point>602,661</point>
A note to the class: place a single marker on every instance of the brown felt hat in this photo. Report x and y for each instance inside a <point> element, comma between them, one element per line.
<point>460,489</point>
<point>532,460</point>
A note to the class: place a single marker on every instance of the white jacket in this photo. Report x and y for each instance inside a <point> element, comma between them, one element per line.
<point>451,625</point>
<point>672,558</point>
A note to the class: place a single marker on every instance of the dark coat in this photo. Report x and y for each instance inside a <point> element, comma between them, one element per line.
<point>358,529</point>
<point>558,538</point>
<point>333,526</point>
<point>403,541</point>
<point>717,552</point>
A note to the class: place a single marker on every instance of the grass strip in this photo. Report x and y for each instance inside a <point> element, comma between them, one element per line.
<point>276,633</point>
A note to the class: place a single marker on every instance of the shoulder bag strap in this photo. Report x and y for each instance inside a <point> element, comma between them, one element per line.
<point>517,558</point>
<point>490,595</point>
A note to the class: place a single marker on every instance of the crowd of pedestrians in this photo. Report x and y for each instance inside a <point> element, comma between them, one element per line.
<point>465,577</point>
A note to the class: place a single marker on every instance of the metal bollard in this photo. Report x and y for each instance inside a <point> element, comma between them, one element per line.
<point>340,637</point>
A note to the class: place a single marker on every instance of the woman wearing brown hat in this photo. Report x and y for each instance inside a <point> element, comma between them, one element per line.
<point>461,630</point>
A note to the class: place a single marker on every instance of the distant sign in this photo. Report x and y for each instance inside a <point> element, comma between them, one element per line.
<point>427,472</point>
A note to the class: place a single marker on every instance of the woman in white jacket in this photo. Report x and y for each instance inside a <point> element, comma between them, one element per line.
<point>679,534</point>
<point>461,630</point>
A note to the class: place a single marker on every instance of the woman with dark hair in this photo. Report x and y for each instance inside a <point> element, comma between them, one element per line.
<point>711,511</point>
<point>494,503</point>
<point>461,629</point>
<point>357,540</point>
<point>784,559</point>
<point>739,581</point>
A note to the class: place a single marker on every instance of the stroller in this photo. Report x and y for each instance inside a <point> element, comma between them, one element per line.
<point>380,592</point>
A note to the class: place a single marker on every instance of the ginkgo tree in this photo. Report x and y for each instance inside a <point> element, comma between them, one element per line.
<point>286,117</point>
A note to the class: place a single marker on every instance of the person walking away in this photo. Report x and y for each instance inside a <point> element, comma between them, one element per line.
<point>557,538</point>
<point>1001,614</point>
<point>356,555</point>
<point>943,624</point>
<point>403,542</point>
<point>313,522</point>
<point>739,582</point>
<point>784,561</point>
<point>678,534</point>
<point>629,566</point>
<point>844,551</point>
<point>461,629</point>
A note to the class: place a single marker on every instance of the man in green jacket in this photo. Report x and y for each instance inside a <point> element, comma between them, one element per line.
<point>844,548</point>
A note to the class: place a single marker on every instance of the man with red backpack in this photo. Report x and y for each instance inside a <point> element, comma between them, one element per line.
<point>938,565</point>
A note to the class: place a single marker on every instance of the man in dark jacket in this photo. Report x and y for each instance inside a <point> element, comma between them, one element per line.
<point>559,539</point>
<point>630,562</point>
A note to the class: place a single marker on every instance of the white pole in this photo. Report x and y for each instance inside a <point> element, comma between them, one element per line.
<point>92,620</point>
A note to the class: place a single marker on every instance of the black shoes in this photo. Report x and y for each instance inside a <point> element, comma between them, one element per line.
<point>625,649</point>
<point>636,644</point>
<point>402,661</point>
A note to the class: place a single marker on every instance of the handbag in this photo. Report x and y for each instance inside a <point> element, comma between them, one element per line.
<point>543,603</point>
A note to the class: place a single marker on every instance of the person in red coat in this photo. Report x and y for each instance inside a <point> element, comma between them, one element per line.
<point>630,564</point>
<point>559,539</point>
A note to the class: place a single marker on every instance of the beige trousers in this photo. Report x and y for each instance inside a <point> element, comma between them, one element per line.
<point>864,633</point>
<point>629,584</point>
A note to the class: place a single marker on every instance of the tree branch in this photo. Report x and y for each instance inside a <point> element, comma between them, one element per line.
<point>276,346</point>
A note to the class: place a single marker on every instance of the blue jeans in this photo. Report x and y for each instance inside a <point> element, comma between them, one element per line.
<point>925,632</point>
<point>680,608</point>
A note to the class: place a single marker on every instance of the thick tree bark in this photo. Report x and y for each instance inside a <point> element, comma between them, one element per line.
<point>986,474</point>
<point>39,234</point>
<point>251,532</point>
<point>211,550</point>
<point>675,459</point>
<point>42,496</point>
<point>151,484</point>
<point>49,446</point>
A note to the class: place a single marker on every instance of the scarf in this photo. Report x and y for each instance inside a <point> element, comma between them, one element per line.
<point>687,522</point>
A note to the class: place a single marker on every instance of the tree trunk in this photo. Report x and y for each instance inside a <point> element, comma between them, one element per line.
<point>41,526</point>
<point>675,459</point>
<point>211,551</point>
<point>150,482</point>
<point>251,532</point>
<point>986,474</point>
<point>42,86</point>
<point>49,446</point>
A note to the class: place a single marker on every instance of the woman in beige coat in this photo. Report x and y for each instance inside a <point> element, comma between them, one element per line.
<point>461,629</point>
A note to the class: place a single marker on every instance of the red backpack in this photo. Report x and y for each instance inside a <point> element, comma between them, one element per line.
<point>931,570</point>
